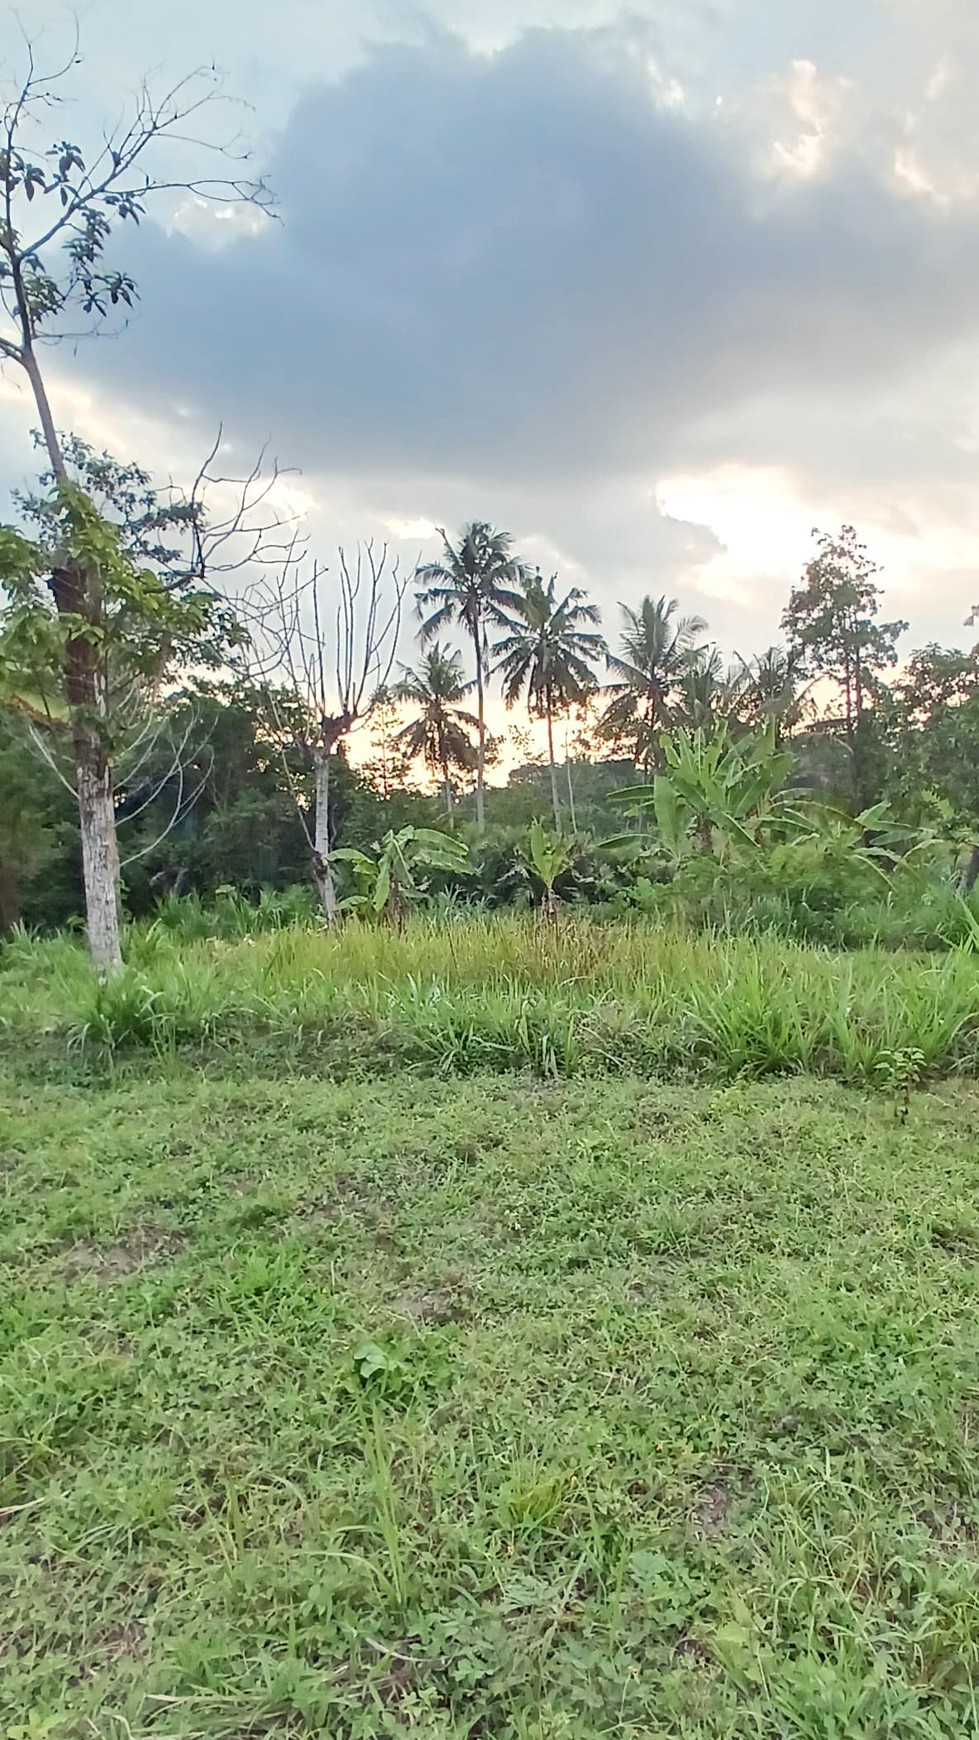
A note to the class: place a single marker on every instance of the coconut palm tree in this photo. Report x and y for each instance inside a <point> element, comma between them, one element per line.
<point>549,655</point>
<point>439,734</point>
<point>770,689</point>
<point>474,583</point>
<point>707,692</point>
<point>655,649</point>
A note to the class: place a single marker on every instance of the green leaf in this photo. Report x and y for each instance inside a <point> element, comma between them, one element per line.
<point>382,887</point>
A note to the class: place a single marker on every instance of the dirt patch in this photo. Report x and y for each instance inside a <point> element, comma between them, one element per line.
<point>952,1534</point>
<point>691,1652</point>
<point>430,1308</point>
<point>111,1263</point>
<point>123,1642</point>
<point>712,1511</point>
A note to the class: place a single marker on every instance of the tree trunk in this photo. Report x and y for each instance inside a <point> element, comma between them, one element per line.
<point>447,788</point>
<point>10,907</point>
<point>553,767</point>
<point>971,875</point>
<point>861,797</point>
<point>100,855</point>
<point>322,873</point>
<point>571,808</point>
<point>44,412</point>
<point>72,592</point>
<point>481,746</point>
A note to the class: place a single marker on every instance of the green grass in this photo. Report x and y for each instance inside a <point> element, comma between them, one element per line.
<point>504,993</point>
<point>489,1407</point>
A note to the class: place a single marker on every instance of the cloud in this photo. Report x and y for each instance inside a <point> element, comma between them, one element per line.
<point>525,265</point>
<point>544,277</point>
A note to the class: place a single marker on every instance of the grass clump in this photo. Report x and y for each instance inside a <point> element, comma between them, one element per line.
<point>506,993</point>
<point>498,1408</point>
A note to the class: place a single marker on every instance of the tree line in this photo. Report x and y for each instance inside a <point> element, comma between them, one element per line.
<point>185,677</point>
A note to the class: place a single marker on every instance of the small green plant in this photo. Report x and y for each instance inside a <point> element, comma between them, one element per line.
<point>900,1071</point>
<point>546,856</point>
<point>386,886</point>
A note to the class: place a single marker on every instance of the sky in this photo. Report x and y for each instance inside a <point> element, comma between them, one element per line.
<point>658,288</point>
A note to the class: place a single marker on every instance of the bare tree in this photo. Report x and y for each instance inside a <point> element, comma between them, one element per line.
<point>323,646</point>
<point>59,205</point>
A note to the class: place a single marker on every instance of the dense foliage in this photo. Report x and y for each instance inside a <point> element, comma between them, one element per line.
<point>798,791</point>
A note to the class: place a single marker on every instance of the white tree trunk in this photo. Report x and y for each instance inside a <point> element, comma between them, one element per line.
<point>100,865</point>
<point>321,841</point>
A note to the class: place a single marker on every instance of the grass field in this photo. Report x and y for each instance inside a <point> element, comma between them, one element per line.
<point>485,1406</point>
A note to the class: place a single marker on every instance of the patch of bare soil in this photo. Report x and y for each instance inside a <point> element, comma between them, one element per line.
<point>713,1508</point>
<point>111,1263</point>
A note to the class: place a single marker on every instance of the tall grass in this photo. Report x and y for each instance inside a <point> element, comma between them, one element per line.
<point>503,993</point>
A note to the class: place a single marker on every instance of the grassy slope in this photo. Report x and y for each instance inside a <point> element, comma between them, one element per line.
<point>488,1407</point>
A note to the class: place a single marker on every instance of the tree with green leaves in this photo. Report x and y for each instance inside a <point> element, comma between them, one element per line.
<point>475,583</point>
<point>105,603</point>
<point>440,735</point>
<point>646,674</point>
<point>77,595</point>
<point>35,825</point>
<point>549,655</point>
<point>929,719</point>
<point>832,631</point>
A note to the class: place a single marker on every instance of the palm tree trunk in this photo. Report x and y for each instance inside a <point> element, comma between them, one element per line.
<point>447,787</point>
<point>553,766</point>
<point>481,746</point>
<point>570,778</point>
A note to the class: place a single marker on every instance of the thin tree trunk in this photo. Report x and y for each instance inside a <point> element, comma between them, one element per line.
<point>100,855</point>
<point>447,787</point>
<point>322,873</point>
<point>848,688</point>
<point>553,767</point>
<point>859,741</point>
<point>571,808</point>
<point>45,416</point>
<point>10,906</point>
<point>481,747</point>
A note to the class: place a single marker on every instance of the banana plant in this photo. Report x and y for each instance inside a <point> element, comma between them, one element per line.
<point>385,886</point>
<point>547,856</point>
<point>715,794</point>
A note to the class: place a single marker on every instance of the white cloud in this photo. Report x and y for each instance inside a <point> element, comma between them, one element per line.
<point>816,106</point>
<point>640,335</point>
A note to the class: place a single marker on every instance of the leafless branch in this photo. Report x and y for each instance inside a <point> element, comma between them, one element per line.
<point>43,747</point>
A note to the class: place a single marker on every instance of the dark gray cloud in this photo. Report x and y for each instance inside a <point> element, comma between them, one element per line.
<point>519,266</point>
